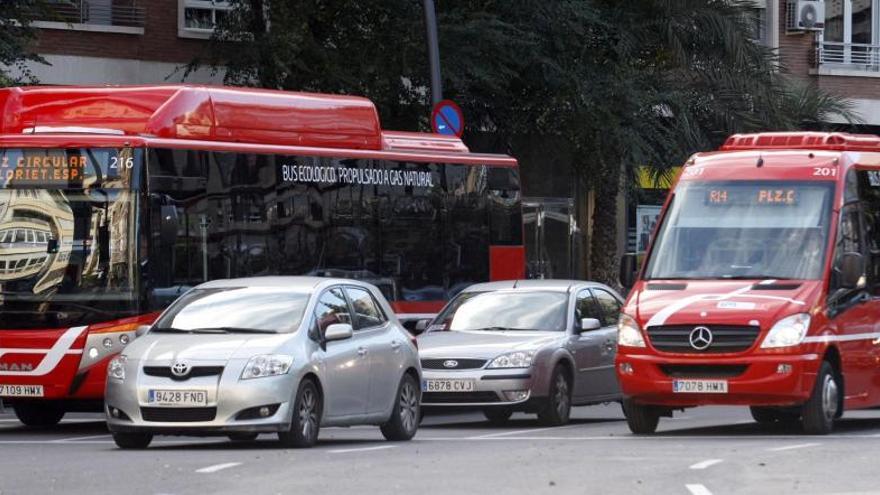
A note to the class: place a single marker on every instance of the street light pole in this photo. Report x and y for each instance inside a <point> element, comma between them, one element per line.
<point>433,51</point>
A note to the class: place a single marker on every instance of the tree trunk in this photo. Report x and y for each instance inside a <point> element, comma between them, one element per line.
<point>604,258</point>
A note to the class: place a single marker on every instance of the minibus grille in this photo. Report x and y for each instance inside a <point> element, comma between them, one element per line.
<point>452,364</point>
<point>178,414</point>
<point>725,338</point>
<point>703,370</point>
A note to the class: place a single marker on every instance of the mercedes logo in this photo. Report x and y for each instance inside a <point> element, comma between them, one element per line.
<point>701,338</point>
<point>180,369</point>
<point>450,363</point>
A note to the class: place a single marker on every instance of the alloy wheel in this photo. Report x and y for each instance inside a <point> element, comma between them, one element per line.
<point>408,406</point>
<point>308,416</point>
<point>561,398</point>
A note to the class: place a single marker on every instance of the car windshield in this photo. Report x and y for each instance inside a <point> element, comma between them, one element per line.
<point>521,310</point>
<point>746,230</point>
<point>235,310</point>
<point>442,320</point>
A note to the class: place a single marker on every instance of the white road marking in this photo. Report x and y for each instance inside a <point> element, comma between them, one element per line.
<point>362,449</point>
<point>74,439</point>
<point>217,467</point>
<point>792,447</point>
<point>706,463</point>
<point>698,490</point>
<point>518,432</point>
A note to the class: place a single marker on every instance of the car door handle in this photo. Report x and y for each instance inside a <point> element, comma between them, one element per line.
<point>395,345</point>
<point>362,351</point>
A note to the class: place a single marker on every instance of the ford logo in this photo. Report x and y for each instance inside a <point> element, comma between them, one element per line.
<point>701,338</point>
<point>450,363</point>
<point>180,369</point>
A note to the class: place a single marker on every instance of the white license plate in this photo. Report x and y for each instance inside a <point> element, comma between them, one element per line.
<point>178,398</point>
<point>699,386</point>
<point>21,390</point>
<point>441,385</point>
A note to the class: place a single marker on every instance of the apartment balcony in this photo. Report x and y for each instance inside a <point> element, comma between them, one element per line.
<point>114,16</point>
<point>849,59</point>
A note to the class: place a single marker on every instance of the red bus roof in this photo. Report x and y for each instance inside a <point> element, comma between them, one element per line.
<point>831,141</point>
<point>216,114</point>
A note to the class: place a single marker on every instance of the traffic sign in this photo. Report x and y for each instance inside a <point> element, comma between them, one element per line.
<point>447,119</point>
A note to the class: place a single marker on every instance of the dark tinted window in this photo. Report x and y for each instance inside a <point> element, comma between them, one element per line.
<point>608,306</point>
<point>585,307</point>
<point>366,311</point>
<point>869,193</point>
<point>331,308</point>
<point>849,239</point>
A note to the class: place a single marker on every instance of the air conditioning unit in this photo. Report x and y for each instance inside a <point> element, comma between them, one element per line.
<point>806,15</point>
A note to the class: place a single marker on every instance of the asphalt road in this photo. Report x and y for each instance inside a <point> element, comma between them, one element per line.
<point>702,451</point>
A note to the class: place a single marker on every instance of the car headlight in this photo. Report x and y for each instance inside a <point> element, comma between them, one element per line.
<point>787,332</point>
<point>628,332</point>
<point>116,368</point>
<point>266,365</point>
<point>518,359</point>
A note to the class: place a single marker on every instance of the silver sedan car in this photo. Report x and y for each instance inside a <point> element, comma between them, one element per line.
<point>532,345</point>
<point>273,354</point>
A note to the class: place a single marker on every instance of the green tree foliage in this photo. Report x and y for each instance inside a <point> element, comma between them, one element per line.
<point>627,84</point>
<point>17,38</point>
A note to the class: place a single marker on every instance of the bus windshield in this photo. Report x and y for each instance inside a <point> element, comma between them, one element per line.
<point>745,230</point>
<point>66,230</point>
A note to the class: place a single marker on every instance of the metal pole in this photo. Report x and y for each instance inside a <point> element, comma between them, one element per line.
<point>433,51</point>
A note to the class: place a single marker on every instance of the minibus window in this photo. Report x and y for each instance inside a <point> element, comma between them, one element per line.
<point>744,230</point>
<point>869,193</point>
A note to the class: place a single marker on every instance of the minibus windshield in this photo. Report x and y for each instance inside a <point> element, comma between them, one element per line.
<point>745,230</point>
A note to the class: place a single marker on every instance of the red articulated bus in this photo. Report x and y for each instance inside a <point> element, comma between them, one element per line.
<point>115,200</point>
<point>762,285</point>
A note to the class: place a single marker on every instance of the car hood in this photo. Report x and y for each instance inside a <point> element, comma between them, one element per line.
<point>735,302</point>
<point>484,345</point>
<point>167,348</point>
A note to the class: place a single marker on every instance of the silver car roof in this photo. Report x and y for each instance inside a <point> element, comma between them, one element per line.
<point>557,284</point>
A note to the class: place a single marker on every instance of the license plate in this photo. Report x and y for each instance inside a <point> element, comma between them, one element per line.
<point>440,385</point>
<point>21,390</point>
<point>181,398</point>
<point>699,386</point>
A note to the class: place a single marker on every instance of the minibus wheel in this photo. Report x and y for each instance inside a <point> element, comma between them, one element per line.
<point>38,415</point>
<point>132,440</point>
<point>822,407</point>
<point>641,419</point>
<point>306,421</point>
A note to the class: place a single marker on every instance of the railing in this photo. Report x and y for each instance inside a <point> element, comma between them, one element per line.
<point>849,56</point>
<point>106,12</point>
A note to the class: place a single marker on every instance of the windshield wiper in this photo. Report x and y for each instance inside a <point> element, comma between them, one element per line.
<point>753,277</point>
<point>170,330</point>
<point>233,330</point>
<point>498,329</point>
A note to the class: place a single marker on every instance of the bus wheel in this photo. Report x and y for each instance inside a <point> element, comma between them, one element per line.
<point>38,415</point>
<point>770,415</point>
<point>819,411</point>
<point>641,419</point>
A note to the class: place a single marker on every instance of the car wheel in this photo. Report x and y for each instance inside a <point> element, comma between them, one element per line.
<point>306,421</point>
<point>770,415</point>
<point>404,420</point>
<point>497,415</point>
<point>822,407</point>
<point>558,407</point>
<point>641,419</point>
<point>243,437</point>
<point>38,415</point>
<point>132,440</point>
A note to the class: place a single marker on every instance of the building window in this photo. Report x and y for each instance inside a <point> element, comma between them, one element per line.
<point>198,18</point>
<point>850,40</point>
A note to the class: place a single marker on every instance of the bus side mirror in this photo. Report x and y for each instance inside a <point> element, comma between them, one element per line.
<point>852,267</point>
<point>629,269</point>
<point>52,246</point>
<point>168,225</point>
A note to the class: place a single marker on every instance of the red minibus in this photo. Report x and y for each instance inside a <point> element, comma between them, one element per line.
<point>761,286</point>
<point>115,200</point>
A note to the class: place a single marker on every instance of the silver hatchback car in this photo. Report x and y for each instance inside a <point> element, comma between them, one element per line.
<point>272,354</point>
<point>531,345</point>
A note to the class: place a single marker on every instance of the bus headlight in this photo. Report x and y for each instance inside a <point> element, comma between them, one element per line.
<point>116,368</point>
<point>628,332</point>
<point>787,332</point>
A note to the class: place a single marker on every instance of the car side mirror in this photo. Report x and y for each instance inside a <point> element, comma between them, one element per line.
<point>141,330</point>
<point>421,326</point>
<point>629,269</point>
<point>338,331</point>
<point>588,324</point>
<point>852,267</point>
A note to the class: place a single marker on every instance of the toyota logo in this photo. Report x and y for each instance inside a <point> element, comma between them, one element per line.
<point>180,369</point>
<point>450,363</point>
<point>701,338</point>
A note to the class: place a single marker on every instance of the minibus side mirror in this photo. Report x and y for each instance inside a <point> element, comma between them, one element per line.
<point>588,324</point>
<point>629,269</point>
<point>338,331</point>
<point>852,267</point>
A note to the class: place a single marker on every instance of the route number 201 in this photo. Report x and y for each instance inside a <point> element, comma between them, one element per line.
<point>126,162</point>
<point>824,172</point>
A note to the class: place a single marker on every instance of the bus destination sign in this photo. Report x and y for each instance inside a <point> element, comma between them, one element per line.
<point>740,196</point>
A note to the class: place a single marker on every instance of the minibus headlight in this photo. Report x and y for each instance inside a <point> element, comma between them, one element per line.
<point>787,332</point>
<point>267,365</point>
<point>628,332</point>
<point>116,368</point>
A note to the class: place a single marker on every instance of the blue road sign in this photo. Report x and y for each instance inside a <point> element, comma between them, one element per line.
<point>447,119</point>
